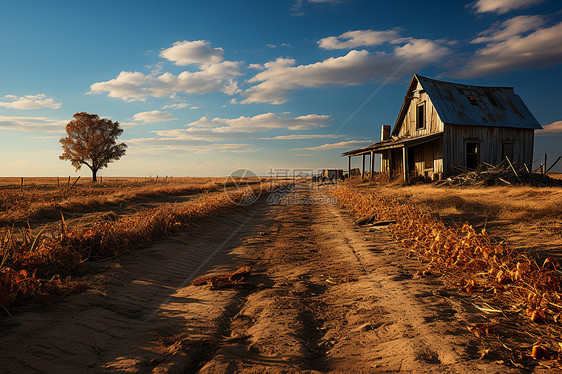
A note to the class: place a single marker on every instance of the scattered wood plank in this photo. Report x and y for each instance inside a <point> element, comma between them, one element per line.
<point>504,173</point>
<point>366,220</point>
<point>226,280</point>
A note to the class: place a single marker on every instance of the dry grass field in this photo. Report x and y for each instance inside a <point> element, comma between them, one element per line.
<point>530,218</point>
<point>457,279</point>
<point>49,231</point>
<point>502,245</point>
<point>43,199</point>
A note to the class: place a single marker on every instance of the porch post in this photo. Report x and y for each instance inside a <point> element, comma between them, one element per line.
<point>405,163</point>
<point>363,165</point>
<point>349,166</point>
<point>372,164</point>
<point>390,165</point>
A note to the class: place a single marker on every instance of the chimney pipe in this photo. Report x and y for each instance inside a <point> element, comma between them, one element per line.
<point>385,132</point>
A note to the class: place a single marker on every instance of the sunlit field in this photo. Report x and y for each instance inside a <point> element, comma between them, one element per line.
<point>37,261</point>
<point>39,199</point>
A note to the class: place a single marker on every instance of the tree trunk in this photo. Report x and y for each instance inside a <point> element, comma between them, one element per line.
<point>94,172</point>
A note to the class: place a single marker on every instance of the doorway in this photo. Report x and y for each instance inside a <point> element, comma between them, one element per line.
<point>472,154</point>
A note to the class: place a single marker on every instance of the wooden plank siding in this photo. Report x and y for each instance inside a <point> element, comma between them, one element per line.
<point>428,158</point>
<point>433,123</point>
<point>395,162</point>
<point>385,165</point>
<point>490,140</point>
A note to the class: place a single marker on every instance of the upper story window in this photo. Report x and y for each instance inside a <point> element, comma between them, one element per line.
<point>472,100</point>
<point>420,116</point>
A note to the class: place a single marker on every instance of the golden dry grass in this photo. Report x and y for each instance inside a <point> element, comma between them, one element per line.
<point>513,202</point>
<point>530,218</point>
<point>51,182</point>
<point>43,199</point>
<point>33,262</point>
<point>526,292</point>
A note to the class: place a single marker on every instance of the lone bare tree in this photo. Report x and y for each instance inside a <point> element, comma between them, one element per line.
<point>92,141</point>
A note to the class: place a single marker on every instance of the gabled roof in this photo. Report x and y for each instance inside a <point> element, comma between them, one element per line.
<point>462,104</point>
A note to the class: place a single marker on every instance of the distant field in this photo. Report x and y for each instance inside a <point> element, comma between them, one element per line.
<point>49,229</point>
<point>43,182</point>
<point>42,199</point>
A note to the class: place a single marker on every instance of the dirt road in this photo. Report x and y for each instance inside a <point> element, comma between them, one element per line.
<point>324,296</point>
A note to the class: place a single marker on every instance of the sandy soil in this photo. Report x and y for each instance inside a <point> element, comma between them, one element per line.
<point>324,295</point>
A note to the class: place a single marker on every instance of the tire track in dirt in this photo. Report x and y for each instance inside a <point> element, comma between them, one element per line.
<point>324,296</point>
<point>113,327</point>
<point>344,300</point>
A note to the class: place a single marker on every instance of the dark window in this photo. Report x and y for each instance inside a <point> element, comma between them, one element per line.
<point>472,100</point>
<point>507,151</point>
<point>471,155</point>
<point>420,116</point>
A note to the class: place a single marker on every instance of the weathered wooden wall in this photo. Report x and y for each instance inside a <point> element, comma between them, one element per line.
<point>396,162</point>
<point>428,157</point>
<point>490,141</point>
<point>433,122</point>
<point>385,165</point>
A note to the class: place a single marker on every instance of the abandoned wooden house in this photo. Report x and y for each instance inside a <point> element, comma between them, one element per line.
<point>444,125</point>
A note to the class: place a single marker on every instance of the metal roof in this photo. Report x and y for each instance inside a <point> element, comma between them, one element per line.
<point>462,104</point>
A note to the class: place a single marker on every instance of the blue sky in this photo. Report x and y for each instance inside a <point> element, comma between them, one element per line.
<point>206,87</point>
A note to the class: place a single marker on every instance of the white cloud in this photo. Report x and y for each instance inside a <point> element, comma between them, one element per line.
<point>502,6</point>
<point>552,128</point>
<point>176,106</point>
<point>511,27</point>
<point>231,87</point>
<point>196,52</point>
<point>347,144</point>
<point>162,146</point>
<point>207,130</point>
<point>30,102</point>
<point>263,122</point>
<point>302,137</point>
<point>135,86</point>
<point>358,38</point>
<point>518,43</point>
<point>270,45</point>
<point>128,125</point>
<point>153,116</point>
<point>356,67</point>
<point>32,124</point>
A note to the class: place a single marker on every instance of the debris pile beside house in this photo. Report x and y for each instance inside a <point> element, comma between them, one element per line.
<point>502,174</point>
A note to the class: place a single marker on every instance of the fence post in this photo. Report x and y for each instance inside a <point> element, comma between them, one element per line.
<point>21,185</point>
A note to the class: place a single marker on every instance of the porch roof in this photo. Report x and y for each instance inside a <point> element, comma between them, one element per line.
<point>393,143</point>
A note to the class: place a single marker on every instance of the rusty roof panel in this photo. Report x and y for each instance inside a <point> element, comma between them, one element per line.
<point>461,104</point>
